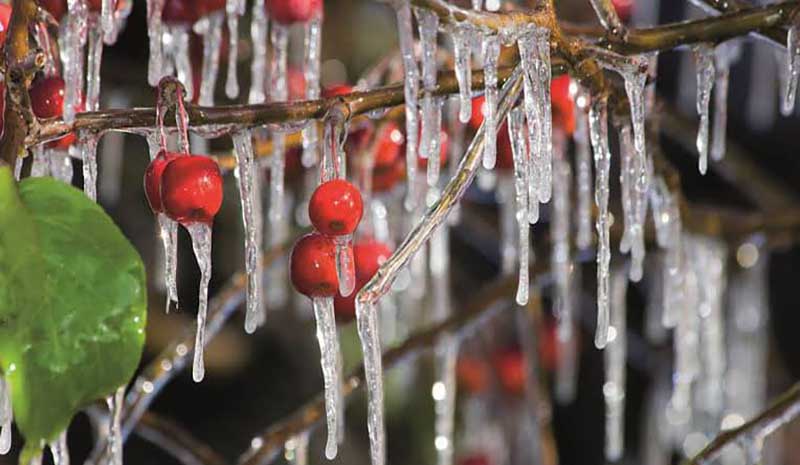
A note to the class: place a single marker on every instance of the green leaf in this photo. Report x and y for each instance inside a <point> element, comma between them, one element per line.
<point>72,304</point>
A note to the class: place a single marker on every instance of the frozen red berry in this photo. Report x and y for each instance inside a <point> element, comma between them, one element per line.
<point>191,189</point>
<point>510,367</point>
<point>563,105</point>
<point>624,8</point>
<point>313,266</point>
<point>152,179</point>
<point>368,256</point>
<point>335,208</point>
<point>292,11</point>
<point>47,101</point>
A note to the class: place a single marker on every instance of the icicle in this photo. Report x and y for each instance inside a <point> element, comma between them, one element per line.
<point>258,67</point>
<point>328,340</point>
<point>211,29</point>
<point>410,90</point>
<point>704,63</point>
<point>243,148</point>
<point>792,70</point>
<point>107,20</point>
<point>559,235</point>
<point>93,71</point>
<point>508,224</point>
<point>544,75</point>
<point>345,265</point>
<point>491,53</point>
<point>635,82</point>
<point>59,450</point>
<point>724,54</point>
<point>6,416</point>
<point>201,243</point>
<point>367,322</point>
<point>88,146</point>
<point>40,165</point>
<point>516,132</point>
<point>233,10</point>
<point>685,340</point>
<point>73,57</point>
<point>18,162</point>
<point>666,217</point>
<point>431,109</point>
<point>313,45</point>
<point>598,132</point>
<point>634,204</point>
<point>179,51</point>
<point>615,355</point>
<point>115,405</point>
<point>155,66</point>
<point>583,164</point>
<point>532,99</point>
<point>278,66</point>
<point>462,37</point>
<point>60,165</point>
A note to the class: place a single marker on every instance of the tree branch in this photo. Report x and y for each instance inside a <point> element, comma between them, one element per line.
<point>174,439</point>
<point>783,410</point>
<point>776,35</point>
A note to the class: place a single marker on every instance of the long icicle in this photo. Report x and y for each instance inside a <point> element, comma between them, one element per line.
<point>516,132</point>
<point>615,355</point>
<point>201,244</point>
<point>330,355</point>
<point>431,110</point>
<point>704,63</point>
<point>529,63</point>
<point>243,148</point>
<point>155,66</point>
<point>72,55</point>
<point>88,149</point>
<point>313,49</point>
<point>462,37</point>
<point>233,10</point>
<point>491,53</point>
<point>583,167</point>
<point>211,29</point>
<point>367,323</point>
<point>792,67</point>
<point>410,91</point>
<point>544,75</point>
<point>258,67</point>
<point>724,54</point>
<point>598,134</point>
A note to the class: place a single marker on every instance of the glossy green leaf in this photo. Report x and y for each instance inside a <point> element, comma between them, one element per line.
<point>72,304</point>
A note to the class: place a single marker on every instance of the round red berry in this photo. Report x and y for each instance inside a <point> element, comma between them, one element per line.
<point>369,255</point>
<point>152,179</point>
<point>510,367</point>
<point>293,11</point>
<point>313,266</point>
<point>191,189</point>
<point>389,146</point>
<point>563,105</point>
<point>47,101</point>
<point>624,8</point>
<point>335,208</point>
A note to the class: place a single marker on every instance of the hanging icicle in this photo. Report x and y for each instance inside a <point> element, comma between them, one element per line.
<point>431,110</point>
<point>313,46</point>
<point>367,323</point>
<point>258,66</point>
<point>233,10</point>
<point>72,56</point>
<point>583,167</point>
<point>87,142</point>
<point>328,340</point>
<point>598,134</point>
<point>462,37</point>
<point>615,357</point>
<point>559,236</point>
<point>155,66</point>
<point>491,53</point>
<point>792,70</point>
<point>93,68</point>
<point>410,91</point>
<point>210,27</point>
<point>201,244</point>
<point>704,64</point>
<point>725,54</point>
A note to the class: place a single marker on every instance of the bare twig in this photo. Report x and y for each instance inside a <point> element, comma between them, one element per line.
<point>783,410</point>
<point>178,442</point>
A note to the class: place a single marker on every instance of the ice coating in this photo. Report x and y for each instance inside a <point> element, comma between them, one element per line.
<point>792,70</point>
<point>72,56</point>
<point>598,134</point>
<point>246,170</point>
<point>491,53</point>
<point>115,404</point>
<point>615,355</point>
<point>201,244</point>
<point>93,63</point>
<point>330,359</point>
<point>345,265</point>
<point>462,37</point>
<point>6,416</point>
<point>516,132</point>
<point>258,66</point>
<point>87,142</point>
<point>532,96</point>
<point>704,63</point>
<point>367,323</point>
<point>410,91</point>
<point>431,110</point>
<point>210,27</point>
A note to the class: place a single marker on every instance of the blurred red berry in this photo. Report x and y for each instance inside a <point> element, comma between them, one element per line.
<point>292,11</point>
<point>563,105</point>
<point>472,374</point>
<point>5,19</point>
<point>510,367</point>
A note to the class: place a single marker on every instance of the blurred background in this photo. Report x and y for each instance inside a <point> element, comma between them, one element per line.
<point>255,380</point>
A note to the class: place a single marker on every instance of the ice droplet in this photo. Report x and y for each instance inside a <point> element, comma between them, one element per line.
<point>201,244</point>
<point>155,66</point>
<point>210,27</point>
<point>792,70</point>
<point>115,405</point>
<point>704,63</point>
<point>614,386</point>
<point>330,356</point>
<point>410,90</point>
<point>367,322</point>
<point>462,37</point>
<point>516,132</point>
<point>598,134</point>
<point>258,67</point>
<point>491,53</point>
<point>6,416</point>
<point>233,10</point>
<point>87,142</point>
<point>245,160</point>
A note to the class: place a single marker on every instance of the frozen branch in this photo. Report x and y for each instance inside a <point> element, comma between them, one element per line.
<point>176,441</point>
<point>776,34</point>
<point>607,15</point>
<point>783,410</point>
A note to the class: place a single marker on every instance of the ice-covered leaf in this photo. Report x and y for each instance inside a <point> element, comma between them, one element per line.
<point>72,304</point>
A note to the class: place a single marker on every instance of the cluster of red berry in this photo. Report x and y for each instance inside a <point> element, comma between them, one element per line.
<point>187,188</point>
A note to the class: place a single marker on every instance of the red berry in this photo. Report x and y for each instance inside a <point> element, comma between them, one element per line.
<point>293,11</point>
<point>475,459</point>
<point>563,105</point>
<point>313,266</point>
<point>345,307</point>
<point>335,208</point>
<point>472,374</point>
<point>336,90</point>
<point>384,178</point>
<point>505,156</point>
<point>390,144</point>
<point>191,189</point>
<point>152,179</point>
<point>56,8</point>
<point>510,367</point>
<point>5,19</point>
<point>369,255</point>
<point>624,8</point>
<point>47,101</point>
<point>179,12</point>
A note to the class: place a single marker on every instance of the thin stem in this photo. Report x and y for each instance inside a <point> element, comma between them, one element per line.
<point>177,441</point>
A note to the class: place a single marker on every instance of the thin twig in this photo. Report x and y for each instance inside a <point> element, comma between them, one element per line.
<point>177,441</point>
<point>783,410</point>
<point>607,15</point>
<point>775,35</point>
